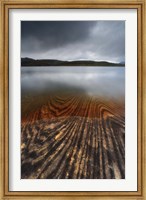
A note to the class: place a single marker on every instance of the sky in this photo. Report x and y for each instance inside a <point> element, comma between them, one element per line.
<point>107,82</point>
<point>73,40</point>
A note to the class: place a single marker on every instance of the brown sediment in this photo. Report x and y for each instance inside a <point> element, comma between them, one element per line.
<point>72,137</point>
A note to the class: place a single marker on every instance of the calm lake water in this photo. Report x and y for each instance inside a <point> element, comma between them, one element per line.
<point>97,81</point>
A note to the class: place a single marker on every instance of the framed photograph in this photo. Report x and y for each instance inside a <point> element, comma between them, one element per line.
<point>72,100</point>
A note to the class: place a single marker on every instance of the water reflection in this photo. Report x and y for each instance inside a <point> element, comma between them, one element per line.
<point>108,82</point>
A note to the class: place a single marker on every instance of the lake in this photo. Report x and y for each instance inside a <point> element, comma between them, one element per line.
<point>108,82</point>
<point>73,123</point>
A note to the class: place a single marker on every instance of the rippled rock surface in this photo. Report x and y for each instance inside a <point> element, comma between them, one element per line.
<point>72,137</point>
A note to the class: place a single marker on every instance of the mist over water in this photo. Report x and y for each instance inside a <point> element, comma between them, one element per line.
<point>107,82</point>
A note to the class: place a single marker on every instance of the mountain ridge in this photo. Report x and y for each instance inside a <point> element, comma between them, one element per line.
<point>54,62</point>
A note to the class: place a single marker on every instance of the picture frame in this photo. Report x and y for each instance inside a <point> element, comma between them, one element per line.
<point>6,6</point>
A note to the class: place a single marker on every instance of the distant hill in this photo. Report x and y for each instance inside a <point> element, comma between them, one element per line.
<point>51,62</point>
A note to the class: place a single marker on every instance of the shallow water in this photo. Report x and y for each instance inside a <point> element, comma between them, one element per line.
<point>56,127</point>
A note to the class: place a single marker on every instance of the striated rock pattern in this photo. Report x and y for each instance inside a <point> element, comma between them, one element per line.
<point>72,137</point>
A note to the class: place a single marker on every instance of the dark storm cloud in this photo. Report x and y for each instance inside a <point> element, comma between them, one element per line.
<point>70,40</point>
<point>53,34</point>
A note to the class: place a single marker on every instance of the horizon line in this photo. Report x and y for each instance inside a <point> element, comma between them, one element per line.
<point>69,60</point>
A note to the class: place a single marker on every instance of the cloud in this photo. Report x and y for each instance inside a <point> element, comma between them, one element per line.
<point>73,40</point>
<point>53,34</point>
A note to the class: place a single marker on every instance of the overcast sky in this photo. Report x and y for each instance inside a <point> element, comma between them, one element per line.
<point>73,40</point>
